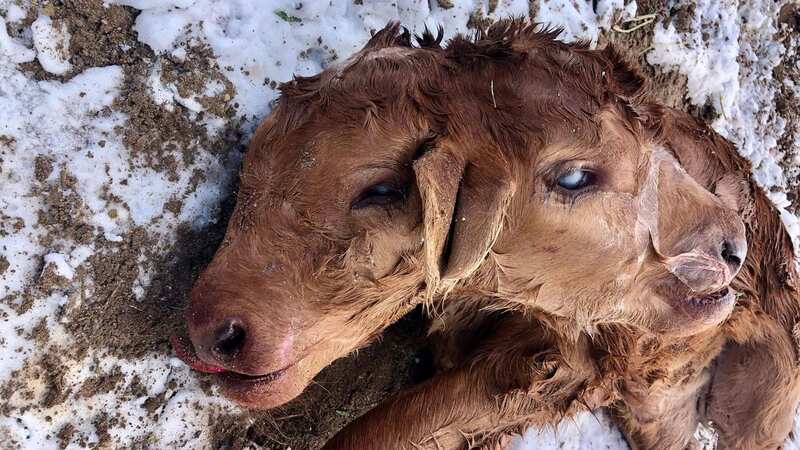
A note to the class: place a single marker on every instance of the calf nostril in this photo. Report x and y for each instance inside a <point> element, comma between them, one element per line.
<point>229,339</point>
<point>731,254</point>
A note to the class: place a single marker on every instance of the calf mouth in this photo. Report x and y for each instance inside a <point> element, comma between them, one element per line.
<point>236,380</point>
<point>712,300</point>
<point>705,307</point>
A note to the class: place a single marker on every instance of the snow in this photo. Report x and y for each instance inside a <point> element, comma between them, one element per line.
<point>11,50</point>
<point>237,32</point>
<point>150,371</point>
<point>52,44</point>
<point>72,125</point>
<point>14,13</point>
<point>585,431</point>
<point>707,58</point>
<point>62,267</point>
<point>579,21</point>
<point>727,55</point>
<point>161,94</point>
<point>52,119</point>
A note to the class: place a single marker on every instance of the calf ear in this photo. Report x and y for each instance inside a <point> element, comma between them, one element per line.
<point>705,155</point>
<point>438,176</point>
<point>464,204</point>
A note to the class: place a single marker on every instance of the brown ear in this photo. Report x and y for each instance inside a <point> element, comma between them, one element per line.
<point>464,204</point>
<point>622,76</point>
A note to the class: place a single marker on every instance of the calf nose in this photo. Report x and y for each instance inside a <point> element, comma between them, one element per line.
<point>229,339</point>
<point>733,252</point>
<point>708,261</point>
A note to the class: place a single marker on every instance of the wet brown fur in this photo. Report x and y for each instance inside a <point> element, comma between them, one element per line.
<point>461,116</point>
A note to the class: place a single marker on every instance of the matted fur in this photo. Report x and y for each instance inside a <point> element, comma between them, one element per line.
<point>532,330</point>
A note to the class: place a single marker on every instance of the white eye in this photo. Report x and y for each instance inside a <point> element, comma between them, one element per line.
<point>575,179</point>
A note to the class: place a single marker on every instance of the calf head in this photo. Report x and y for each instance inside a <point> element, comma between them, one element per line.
<point>511,166</point>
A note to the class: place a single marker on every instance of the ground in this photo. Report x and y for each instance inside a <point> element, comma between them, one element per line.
<point>122,125</point>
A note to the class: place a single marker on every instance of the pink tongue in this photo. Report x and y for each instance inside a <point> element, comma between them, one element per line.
<point>182,351</point>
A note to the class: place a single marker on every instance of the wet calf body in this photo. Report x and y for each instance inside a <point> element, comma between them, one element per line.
<point>598,249</point>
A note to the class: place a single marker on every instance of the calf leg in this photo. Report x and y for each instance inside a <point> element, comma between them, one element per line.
<point>516,379</point>
<point>436,414</point>
<point>660,418</point>
<point>754,392</point>
<point>455,411</point>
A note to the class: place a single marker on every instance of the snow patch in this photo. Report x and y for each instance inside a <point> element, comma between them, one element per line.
<point>179,422</point>
<point>11,50</point>
<point>13,12</point>
<point>322,32</point>
<point>71,125</point>
<point>51,41</point>
<point>62,267</point>
<point>578,19</point>
<point>586,431</point>
<point>707,57</point>
<point>160,94</point>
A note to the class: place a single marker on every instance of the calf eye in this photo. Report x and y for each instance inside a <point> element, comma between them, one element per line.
<point>381,194</point>
<point>576,179</point>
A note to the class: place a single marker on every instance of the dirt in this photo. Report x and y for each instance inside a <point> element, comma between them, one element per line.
<point>103,312</point>
<point>445,4</point>
<point>157,137</point>
<point>64,213</point>
<point>43,166</point>
<point>192,74</point>
<point>40,333</point>
<point>477,20</point>
<point>65,435</point>
<point>168,138</point>
<point>102,384</point>
<point>4,264</point>
<point>100,35</point>
<point>51,371</point>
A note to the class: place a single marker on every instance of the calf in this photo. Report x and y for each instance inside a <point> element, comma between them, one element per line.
<point>590,248</point>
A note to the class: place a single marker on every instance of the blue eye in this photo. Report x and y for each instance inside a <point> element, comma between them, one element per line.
<point>575,179</point>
